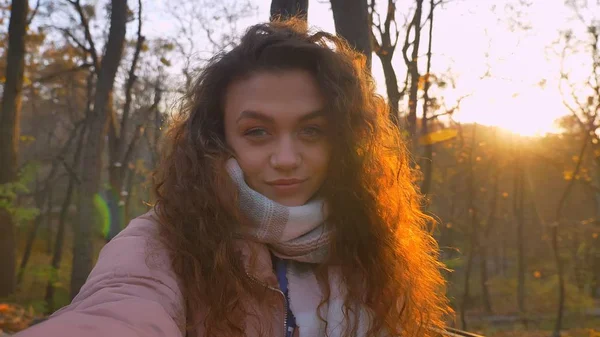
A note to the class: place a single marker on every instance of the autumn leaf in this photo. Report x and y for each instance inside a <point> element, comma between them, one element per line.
<point>438,136</point>
<point>27,139</point>
<point>568,175</point>
<point>168,46</point>
<point>422,80</point>
<point>165,61</point>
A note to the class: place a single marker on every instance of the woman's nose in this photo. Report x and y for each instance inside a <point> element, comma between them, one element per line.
<point>286,154</point>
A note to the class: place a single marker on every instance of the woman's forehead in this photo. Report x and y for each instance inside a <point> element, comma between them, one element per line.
<point>271,95</point>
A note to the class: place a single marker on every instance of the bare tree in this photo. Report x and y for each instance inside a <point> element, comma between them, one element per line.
<point>94,145</point>
<point>9,136</point>
<point>426,161</point>
<point>583,98</point>
<point>60,232</point>
<point>42,197</point>
<point>384,47</point>
<point>215,21</point>
<point>474,231</point>
<point>411,61</point>
<point>121,144</point>
<point>519,216</point>
<point>351,19</point>
<point>555,239</point>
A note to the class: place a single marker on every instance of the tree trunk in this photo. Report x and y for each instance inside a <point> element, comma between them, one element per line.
<point>48,222</point>
<point>129,188</point>
<point>28,247</point>
<point>41,200</point>
<point>427,160</point>
<point>554,239</point>
<point>391,85</point>
<point>94,145</point>
<point>473,242</point>
<point>413,69</point>
<point>118,157</point>
<point>286,9</point>
<point>519,214</point>
<point>60,232</point>
<point>351,19</point>
<point>483,247</point>
<point>595,285</point>
<point>385,51</point>
<point>9,137</point>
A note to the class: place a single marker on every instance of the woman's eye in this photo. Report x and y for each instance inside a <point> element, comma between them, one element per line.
<point>256,132</point>
<point>312,131</point>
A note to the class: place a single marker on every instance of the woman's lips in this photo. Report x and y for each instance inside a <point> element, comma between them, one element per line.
<point>286,186</point>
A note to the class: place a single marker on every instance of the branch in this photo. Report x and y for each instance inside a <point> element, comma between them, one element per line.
<point>59,73</point>
<point>33,13</point>
<point>589,185</point>
<point>403,92</point>
<point>88,34</point>
<point>390,16</point>
<point>378,25</point>
<point>61,156</point>
<point>71,171</point>
<point>131,80</point>
<point>451,110</point>
<point>397,35</point>
<point>140,127</point>
<point>77,42</point>
<point>565,194</point>
<point>209,36</point>
<point>407,44</point>
<point>559,166</point>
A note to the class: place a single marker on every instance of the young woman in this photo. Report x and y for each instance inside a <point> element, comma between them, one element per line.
<point>285,207</point>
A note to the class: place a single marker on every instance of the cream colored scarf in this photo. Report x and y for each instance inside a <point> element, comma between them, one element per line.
<point>298,234</point>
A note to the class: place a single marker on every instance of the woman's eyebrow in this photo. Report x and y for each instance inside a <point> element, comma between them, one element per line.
<point>311,115</point>
<point>251,114</point>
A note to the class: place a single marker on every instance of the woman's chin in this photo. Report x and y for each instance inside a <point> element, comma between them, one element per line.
<point>289,201</point>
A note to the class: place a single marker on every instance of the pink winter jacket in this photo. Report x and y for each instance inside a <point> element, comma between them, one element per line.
<point>132,291</point>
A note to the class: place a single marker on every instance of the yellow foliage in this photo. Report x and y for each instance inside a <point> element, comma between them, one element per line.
<point>27,139</point>
<point>438,136</point>
<point>165,62</point>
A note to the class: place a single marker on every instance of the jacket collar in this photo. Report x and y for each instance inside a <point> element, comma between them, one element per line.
<point>256,259</point>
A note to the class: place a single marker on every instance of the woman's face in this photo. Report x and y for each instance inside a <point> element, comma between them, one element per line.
<point>275,125</point>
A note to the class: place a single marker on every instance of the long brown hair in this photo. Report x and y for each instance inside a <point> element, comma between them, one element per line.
<point>387,257</point>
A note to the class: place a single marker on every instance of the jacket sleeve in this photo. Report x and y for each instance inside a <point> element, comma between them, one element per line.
<point>132,291</point>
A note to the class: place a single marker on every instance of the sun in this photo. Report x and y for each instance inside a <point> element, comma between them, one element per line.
<point>527,111</point>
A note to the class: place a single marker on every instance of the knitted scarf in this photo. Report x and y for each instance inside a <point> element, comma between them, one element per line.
<point>300,235</point>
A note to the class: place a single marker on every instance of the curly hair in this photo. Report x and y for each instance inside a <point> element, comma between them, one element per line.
<point>382,245</point>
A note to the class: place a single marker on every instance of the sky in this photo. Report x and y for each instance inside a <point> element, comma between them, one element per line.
<point>521,90</point>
